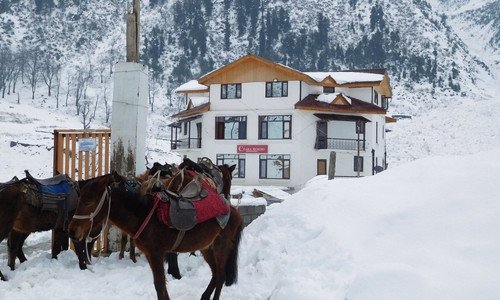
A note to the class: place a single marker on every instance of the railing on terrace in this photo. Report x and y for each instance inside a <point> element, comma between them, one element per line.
<point>189,143</point>
<point>345,144</point>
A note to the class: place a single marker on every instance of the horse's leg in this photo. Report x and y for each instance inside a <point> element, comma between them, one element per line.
<point>173,265</point>
<point>156,265</point>
<point>123,245</point>
<point>209,257</point>
<point>20,252</point>
<point>60,241</point>
<point>132,251</point>
<point>15,243</point>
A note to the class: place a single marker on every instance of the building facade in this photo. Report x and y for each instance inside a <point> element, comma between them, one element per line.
<point>279,125</point>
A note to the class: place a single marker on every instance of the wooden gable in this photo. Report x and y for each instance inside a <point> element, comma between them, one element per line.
<point>340,100</point>
<point>252,68</point>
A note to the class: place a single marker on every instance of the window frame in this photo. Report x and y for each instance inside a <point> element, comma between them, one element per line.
<point>242,127</point>
<point>357,160</point>
<point>224,90</point>
<point>263,160</point>
<point>264,132</point>
<point>270,92</point>
<point>240,166</point>
<point>328,87</point>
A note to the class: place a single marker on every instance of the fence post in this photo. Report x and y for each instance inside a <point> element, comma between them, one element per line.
<point>331,165</point>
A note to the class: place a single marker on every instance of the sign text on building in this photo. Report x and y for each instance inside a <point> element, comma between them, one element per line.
<point>252,149</point>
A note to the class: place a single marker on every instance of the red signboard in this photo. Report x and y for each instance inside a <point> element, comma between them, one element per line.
<point>252,148</point>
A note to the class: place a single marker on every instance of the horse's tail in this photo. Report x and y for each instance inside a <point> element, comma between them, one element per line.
<point>232,261</point>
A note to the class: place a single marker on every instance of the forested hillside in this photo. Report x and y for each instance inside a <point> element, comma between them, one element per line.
<point>65,50</point>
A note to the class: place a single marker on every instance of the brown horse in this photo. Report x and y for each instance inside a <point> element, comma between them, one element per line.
<point>128,210</point>
<point>18,218</point>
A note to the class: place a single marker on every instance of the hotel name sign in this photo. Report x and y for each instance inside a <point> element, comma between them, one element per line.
<point>252,148</point>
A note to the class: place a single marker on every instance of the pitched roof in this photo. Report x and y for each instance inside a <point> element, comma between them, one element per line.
<point>193,111</point>
<point>357,106</point>
<point>291,72</point>
<point>191,86</point>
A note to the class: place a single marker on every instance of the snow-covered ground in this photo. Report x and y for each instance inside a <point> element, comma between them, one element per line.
<point>427,228</point>
<point>424,230</point>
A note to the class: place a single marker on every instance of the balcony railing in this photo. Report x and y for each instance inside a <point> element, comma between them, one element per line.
<point>188,143</point>
<point>345,144</point>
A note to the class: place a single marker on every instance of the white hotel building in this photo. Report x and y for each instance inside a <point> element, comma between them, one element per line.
<point>279,125</point>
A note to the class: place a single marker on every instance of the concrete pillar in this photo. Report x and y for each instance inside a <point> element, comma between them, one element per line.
<point>128,126</point>
<point>129,118</point>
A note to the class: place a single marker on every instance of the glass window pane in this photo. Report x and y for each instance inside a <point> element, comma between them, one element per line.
<point>285,89</point>
<point>275,130</point>
<point>269,88</point>
<point>231,91</point>
<point>276,89</point>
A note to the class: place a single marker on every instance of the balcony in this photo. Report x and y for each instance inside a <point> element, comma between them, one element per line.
<point>188,143</point>
<point>345,144</point>
<point>340,144</point>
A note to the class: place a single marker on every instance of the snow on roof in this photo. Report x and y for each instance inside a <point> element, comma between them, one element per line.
<point>191,85</point>
<point>198,100</point>
<point>346,77</point>
<point>328,98</point>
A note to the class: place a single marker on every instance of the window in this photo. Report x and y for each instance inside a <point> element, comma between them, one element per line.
<point>230,91</point>
<point>375,97</point>
<point>385,102</point>
<point>185,128</point>
<point>275,127</point>
<point>358,163</point>
<point>233,159</point>
<point>328,89</point>
<point>321,167</point>
<point>274,166</point>
<point>231,128</point>
<point>277,89</point>
<point>360,127</point>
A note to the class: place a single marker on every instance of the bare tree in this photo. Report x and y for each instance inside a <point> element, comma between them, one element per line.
<point>68,87</point>
<point>58,86</point>
<point>152,93</point>
<point>87,117</point>
<point>107,106</point>
<point>79,89</point>
<point>4,66</point>
<point>33,74</point>
<point>49,68</point>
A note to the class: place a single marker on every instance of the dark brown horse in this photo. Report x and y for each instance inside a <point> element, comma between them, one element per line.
<point>18,218</point>
<point>128,210</point>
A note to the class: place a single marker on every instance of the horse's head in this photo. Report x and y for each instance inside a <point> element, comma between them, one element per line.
<point>93,205</point>
<point>227,177</point>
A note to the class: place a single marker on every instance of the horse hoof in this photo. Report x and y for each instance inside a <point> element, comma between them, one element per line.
<point>83,267</point>
<point>120,256</point>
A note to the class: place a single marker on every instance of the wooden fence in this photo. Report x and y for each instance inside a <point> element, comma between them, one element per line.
<point>83,154</point>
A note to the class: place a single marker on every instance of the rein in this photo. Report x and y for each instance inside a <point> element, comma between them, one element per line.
<point>88,238</point>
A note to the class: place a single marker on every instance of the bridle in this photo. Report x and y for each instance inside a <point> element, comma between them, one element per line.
<point>91,216</point>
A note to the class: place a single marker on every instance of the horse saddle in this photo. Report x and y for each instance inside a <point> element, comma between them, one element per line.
<point>193,191</point>
<point>6,184</point>
<point>182,214</point>
<point>57,194</point>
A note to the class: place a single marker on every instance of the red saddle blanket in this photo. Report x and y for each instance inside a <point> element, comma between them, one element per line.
<point>206,208</point>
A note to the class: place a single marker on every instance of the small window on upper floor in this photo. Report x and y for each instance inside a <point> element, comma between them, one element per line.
<point>375,97</point>
<point>328,89</point>
<point>277,89</point>
<point>230,91</point>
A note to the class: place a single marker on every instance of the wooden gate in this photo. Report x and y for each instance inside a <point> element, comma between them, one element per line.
<point>83,154</point>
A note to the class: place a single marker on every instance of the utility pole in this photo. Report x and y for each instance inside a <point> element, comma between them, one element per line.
<point>133,32</point>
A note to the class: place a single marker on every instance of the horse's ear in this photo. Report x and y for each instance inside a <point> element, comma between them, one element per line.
<point>231,168</point>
